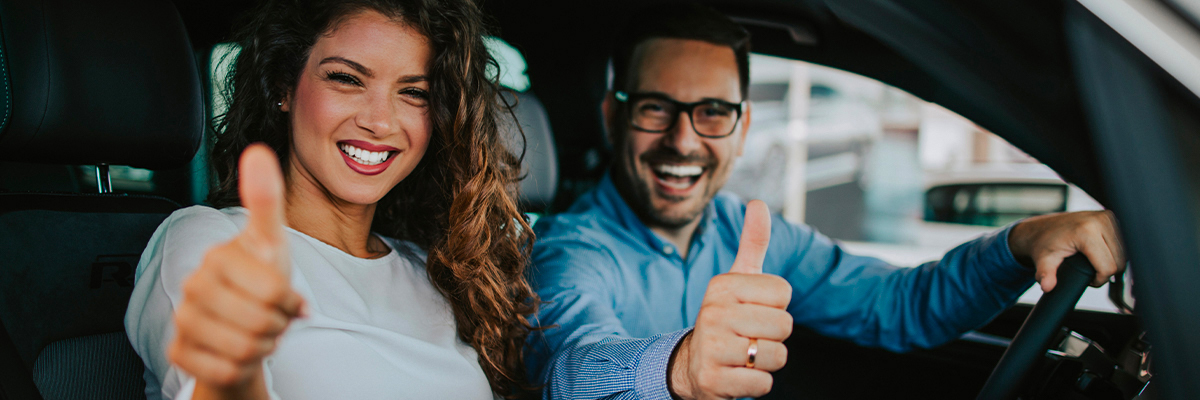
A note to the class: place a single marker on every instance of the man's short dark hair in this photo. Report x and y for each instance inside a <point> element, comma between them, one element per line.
<point>680,21</point>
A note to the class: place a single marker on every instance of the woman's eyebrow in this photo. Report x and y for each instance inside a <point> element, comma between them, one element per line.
<point>356,66</point>
<point>412,79</point>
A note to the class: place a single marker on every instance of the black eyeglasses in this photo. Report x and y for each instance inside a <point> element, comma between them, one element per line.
<point>657,113</point>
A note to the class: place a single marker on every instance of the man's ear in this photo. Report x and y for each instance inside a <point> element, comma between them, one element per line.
<point>608,109</point>
<point>745,129</point>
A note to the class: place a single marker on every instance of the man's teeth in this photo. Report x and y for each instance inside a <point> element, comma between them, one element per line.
<point>365,157</point>
<point>682,171</point>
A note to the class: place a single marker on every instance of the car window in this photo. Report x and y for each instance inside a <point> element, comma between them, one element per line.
<point>885,173</point>
<point>511,62</point>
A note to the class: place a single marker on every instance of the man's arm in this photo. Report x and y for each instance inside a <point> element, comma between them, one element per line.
<point>872,303</point>
<point>585,352</point>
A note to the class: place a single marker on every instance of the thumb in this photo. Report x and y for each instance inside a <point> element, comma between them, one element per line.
<point>756,234</point>
<point>260,184</point>
<point>1047,271</point>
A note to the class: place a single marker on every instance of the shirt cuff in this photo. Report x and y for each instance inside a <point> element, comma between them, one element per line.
<point>1006,269</point>
<point>650,377</point>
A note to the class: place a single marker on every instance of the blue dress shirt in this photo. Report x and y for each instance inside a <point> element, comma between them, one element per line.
<point>619,298</point>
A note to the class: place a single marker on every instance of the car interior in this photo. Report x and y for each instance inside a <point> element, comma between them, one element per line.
<point>106,122</point>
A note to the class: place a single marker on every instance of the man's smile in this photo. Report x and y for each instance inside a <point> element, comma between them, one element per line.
<point>678,177</point>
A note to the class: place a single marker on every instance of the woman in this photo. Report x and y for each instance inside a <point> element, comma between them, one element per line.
<point>384,182</point>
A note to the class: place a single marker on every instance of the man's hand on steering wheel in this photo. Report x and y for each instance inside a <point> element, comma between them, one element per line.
<point>1044,241</point>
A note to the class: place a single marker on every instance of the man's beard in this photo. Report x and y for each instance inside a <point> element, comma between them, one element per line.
<point>638,193</point>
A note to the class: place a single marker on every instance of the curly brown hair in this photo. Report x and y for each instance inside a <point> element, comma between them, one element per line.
<point>458,204</point>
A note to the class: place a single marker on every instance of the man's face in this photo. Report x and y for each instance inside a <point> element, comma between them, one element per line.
<point>668,178</point>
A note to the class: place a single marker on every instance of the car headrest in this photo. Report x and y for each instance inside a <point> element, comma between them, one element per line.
<point>540,166</point>
<point>98,82</point>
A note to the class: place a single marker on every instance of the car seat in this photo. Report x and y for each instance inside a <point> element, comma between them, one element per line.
<point>85,83</point>
<point>540,164</point>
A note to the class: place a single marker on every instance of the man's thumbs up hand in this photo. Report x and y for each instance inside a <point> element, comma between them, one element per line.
<point>744,312</point>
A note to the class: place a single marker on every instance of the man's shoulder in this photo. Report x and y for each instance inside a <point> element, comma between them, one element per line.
<point>588,228</point>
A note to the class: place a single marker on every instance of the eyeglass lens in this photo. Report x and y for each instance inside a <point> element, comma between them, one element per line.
<point>708,119</point>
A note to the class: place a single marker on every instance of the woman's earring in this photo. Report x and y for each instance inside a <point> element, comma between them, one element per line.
<point>279,104</point>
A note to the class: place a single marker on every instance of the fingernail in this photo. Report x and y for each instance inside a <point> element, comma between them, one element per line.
<point>304,313</point>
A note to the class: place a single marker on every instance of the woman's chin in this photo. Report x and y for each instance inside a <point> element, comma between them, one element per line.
<point>355,193</point>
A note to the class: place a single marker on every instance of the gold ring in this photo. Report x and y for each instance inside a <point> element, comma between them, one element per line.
<point>751,353</point>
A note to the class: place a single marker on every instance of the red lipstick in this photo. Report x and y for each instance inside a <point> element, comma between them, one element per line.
<point>363,168</point>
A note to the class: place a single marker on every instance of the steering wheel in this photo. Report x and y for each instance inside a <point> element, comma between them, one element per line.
<point>1039,328</point>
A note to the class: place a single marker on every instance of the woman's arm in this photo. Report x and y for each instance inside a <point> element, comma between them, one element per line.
<point>239,301</point>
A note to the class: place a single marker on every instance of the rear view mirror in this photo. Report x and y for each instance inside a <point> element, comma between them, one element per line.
<point>992,204</point>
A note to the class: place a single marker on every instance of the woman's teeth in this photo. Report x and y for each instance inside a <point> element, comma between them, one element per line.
<point>365,157</point>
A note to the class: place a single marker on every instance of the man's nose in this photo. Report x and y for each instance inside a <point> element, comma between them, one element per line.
<point>378,115</point>
<point>683,137</point>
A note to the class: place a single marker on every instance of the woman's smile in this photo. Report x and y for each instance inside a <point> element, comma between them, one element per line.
<point>366,158</point>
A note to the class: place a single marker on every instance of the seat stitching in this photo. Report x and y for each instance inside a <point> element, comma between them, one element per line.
<point>7,91</point>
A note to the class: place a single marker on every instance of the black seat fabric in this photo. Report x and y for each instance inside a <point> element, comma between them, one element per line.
<point>101,81</point>
<point>85,82</point>
<point>68,270</point>
<point>540,165</point>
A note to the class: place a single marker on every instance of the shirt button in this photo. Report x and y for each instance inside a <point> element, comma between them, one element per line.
<point>668,250</point>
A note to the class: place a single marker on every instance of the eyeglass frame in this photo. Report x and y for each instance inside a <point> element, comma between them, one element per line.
<point>629,98</point>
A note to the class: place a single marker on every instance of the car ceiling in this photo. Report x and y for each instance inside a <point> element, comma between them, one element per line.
<point>1000,63</point>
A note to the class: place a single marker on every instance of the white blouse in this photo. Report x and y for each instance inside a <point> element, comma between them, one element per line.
<point>378,328</point>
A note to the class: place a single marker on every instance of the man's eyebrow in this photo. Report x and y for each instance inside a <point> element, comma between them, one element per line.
<point>356,66</point>
<point>665,96</point>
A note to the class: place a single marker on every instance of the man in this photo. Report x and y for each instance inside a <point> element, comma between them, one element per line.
<point>656,250</point>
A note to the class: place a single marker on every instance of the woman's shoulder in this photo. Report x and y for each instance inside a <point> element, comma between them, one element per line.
<point>199,225</point>
<point>183,238</point>
<point>202,217</point>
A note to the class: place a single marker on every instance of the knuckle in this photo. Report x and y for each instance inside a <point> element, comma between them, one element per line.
<point>777,282</point>
<point>215,258</point>
<point>712,342</point>
<point>226,374</point>
<point>785,325</point>
<point>265,326</point>
<point>708,317</point>
<point>763,387</point>
<point>1090,225</point>
<point>175,353</point>
<point>719,282</point>
<point>184,319</point>
<point>193,287</point>
<point>275,289</point>
<point>245,350</point>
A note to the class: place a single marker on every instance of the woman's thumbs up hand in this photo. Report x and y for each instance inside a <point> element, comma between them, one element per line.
<point>239,300</point>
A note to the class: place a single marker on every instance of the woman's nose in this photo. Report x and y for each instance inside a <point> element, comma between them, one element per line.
<point>378,115</point>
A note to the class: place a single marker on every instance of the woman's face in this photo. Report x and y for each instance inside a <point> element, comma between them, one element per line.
<point>359,113</point>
